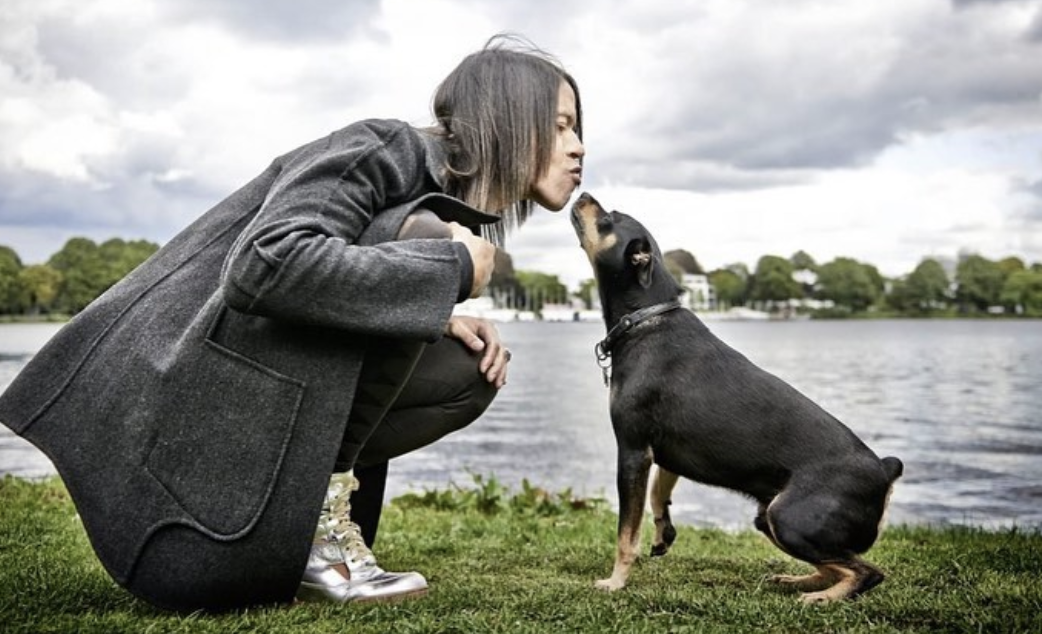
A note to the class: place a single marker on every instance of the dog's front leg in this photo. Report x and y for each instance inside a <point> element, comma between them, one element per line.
<point>632,480</point>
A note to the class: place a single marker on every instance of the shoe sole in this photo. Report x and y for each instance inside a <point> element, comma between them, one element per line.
<point>394,598</point>
<point>318,597</point>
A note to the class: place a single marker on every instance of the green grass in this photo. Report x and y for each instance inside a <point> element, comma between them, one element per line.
<point>500,561</point>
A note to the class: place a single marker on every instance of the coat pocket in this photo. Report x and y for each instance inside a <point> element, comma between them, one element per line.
<point>228,422</point>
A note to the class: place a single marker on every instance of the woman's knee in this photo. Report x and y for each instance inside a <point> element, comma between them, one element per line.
<point>474,401</point>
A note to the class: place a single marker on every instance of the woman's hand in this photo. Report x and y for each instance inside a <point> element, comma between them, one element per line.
<point>481,335</point>
<point>482,255</point>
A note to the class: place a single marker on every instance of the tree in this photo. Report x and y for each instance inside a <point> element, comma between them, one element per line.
<point>772,281</point>
<point>741,270</point>
<point>81,267</point>
<point>1010,265</point>
<point>586,292</point>
<point>684,261</point>
<point>925,289</point>
<point>541,288</point>
<point>503,274</point>
<point>731,288</point>
<point>1022,292</point>
<point>40,284</point>
<point>801,261</point>
<point>849,283</point>
<point>88,270</point>
<point>10,286</point>
<point>979,282</point>
<point>504,287</point>
<point>121,257</point>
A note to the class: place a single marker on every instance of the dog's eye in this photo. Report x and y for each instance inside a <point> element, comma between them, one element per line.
<point>604,223</point>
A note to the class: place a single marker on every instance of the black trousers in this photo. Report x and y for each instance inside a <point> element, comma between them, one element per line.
<point>409,395</point>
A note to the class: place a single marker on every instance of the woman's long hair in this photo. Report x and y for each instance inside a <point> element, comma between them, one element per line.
<point>498,112</point>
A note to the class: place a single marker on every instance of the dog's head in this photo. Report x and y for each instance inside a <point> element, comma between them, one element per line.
<point>625,258</point>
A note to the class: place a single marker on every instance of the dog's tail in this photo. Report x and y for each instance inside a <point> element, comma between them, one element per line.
<point>893,467</point>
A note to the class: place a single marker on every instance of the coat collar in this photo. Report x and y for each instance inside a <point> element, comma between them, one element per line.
<point>387,222</point>
<point>444,206</point>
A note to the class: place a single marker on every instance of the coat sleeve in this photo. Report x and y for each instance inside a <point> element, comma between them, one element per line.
<point>298,260</point>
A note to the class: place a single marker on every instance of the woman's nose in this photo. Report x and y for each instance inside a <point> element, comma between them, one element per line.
<point>576,149</point>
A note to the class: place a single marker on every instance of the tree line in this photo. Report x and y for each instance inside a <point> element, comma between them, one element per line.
<point>977,285</point>
<point>72,278</point>
<point>82,270</point>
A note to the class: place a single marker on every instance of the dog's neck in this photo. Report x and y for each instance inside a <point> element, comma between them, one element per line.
<point>617,303</point>
<point>631,320</point>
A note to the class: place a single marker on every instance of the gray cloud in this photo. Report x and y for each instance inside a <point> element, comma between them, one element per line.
<point>139,204</point>
<point>827,106</point>
<point>1034,32</point>
<point>962,4</point>
<point>119,65</point>
<point>677,97</point>
<point>1031,212</point>
<point>299,21</point>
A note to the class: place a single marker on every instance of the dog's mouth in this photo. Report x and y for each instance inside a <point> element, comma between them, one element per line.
<point>587,210</point>
<point>587,216</point>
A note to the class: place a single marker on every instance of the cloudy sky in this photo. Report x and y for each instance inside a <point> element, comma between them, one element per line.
<point>885,131</point>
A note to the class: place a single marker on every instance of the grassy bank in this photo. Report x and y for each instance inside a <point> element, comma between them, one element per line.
<point>504,561</point>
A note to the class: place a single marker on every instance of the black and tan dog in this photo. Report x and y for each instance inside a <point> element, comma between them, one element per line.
<point>683,399</point>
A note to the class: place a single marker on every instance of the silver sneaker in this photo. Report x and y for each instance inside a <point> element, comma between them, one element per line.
<point>341,567</point>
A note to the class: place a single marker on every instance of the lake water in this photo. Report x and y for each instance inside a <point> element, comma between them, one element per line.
<point>960,402</point>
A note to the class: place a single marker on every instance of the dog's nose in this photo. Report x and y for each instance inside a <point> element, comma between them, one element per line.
<point>584,199</point>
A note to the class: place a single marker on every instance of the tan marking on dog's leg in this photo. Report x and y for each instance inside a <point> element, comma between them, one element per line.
<point>661,494</point>
<point>662,490</point>
<point>626,554</point>
<point>819,580</point>
<point>847,581</point>
<point>631,515</point>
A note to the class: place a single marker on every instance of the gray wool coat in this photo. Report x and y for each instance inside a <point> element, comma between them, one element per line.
<point>195,410</point>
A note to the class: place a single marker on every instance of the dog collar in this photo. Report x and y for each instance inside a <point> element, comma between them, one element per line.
<point>627,323</point>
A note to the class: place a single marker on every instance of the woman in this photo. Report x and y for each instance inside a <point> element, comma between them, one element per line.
<point>206,412</point>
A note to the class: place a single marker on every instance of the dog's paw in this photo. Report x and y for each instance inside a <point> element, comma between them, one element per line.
<point>806,583</point>
<point>787,580</point>
<point>819,598</point>
<point>665,535</point>
<point>608,585</point>
<point>657,550</point>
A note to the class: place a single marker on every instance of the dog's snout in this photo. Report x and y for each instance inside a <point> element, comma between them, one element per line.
<point>584,201</point>
<point>588,219</point>
<point>587,205</point>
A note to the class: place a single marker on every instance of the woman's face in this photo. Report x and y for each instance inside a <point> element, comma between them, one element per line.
<point>554,187</point>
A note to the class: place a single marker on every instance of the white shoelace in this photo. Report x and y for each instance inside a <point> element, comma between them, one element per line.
<point>335,522</point>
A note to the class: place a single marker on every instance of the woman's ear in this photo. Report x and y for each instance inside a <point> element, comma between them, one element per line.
<point>642,258</point>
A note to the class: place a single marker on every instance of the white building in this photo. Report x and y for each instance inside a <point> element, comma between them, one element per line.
<point>698,293</point>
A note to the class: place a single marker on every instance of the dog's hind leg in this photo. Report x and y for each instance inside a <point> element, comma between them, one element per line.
<point>796,526</point>
<point>824,577</point>
<point>632,480</point>
<point>661,493</point>
<point>849,579</point>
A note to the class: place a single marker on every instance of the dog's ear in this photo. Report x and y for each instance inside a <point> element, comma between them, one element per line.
<point>643,259</point>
